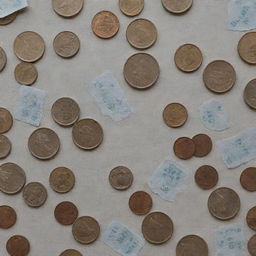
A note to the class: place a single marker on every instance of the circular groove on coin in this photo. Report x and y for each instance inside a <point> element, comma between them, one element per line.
<point>251,245</point>
<point>120,178</point>
<point>66,213</point>
<point>184,148</point>
<point>177,6</point>
<point>6,120</point>
<point>247,48</point>
<point>140,203</point>
<point>8,19</point>
<point>206,177</point>
<point>8,216</point>
<point>18,246</point>
<point>251,218</point>
<point>248,179</point>
<point>71,252</point>
<point>131,8</point>
<point>203,145</point>
<point>5,146</point>
<point>25,73</point>
<point>67,8</point>
<point>3,59</point>
<point>250,94</point>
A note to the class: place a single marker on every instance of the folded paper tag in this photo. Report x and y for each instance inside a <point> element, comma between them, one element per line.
<point>8,7</point>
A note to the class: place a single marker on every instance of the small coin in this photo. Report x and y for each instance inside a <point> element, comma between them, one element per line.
<point>184,148</point>
<point>8,216</point>
<point>131,8</point>
<point>140,203</point>
<point>43,143</point>
<point>251,218</point>
<point>87,134</point>
<point>105,24</point>
<point>157,228</point>
<point>206,177</point>
<point>66,213</point>
<point>203,145</point>
<point>86,230</point>
<point>5,146</point>
<point>251,245</point>
<point>65,111</point>
<point>67,8</point>
<point>177,6</point>
<point>247,48</point>
<point>224,203</point>
<point>18,246</point>
<point>8,19</point>
<point>12,178</point>
<point>120,178</point>
<point>25,73</point>
<point>3,59</point>
<point>248,179</point>
<point>29,46</point>
<point>219,76</point>
<point>250,94</point>
<point>71,252</point>
<point>6,120</point>
<point>141,71</point>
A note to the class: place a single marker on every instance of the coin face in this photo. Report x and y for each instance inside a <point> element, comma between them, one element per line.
<point>18,245</point>
<point>131,8</point>
<point>184,148</point>
<point>87,134</point>
<point>71,252</point>
<point>5,146</point>
<point>203,145</point>
<point>8,216</point>
<point>3,59</point>
<point>157,228</point>
<point>141,71</point>
<point>250,94</point>
<point>66,213</point>
<point>251,218</point>
<point>86,230</point>
<point>12,178</point>
<point>105,24</point>
<point>177,6</point>
<point>67,8</point>
<point>248,179</point>
<point>43,143</point>
<point>120,178</point>
<point>140,203</point>
<point>224,203</point>
<point>25,73</point>
<point>219,76</point>
<point>6,120</point>
<point>251,245</point>
<point>8,19</point>
<point>65,111</point>
<point>206,177</point>
<point>247,48</point>
<point>29,46</point>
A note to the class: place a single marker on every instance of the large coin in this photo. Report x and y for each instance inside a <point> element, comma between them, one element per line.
<point>251,218</point>
<point>247,48</point>
<point>206,177</point>
<point>177,6</point>
<point>184,148</point>
<point>203,145</point>
<point>250,94</point>
<point>251,245</point>
<point>67,8</point>
<point>71,252</point>
<point>8,19</point>
<point>3,59</point>
<point>8,216</point>
<point>25,73</point>
<point>66,213</point>
<point>6,120</point>
<point>5,146</point>
<point>248,179</point>
<point>140,203</point>
<point>131,7</point>
<point>18,246</point>
<point>120,178</point>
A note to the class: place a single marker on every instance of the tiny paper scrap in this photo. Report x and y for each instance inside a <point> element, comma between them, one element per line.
<point>109,96</point>
<point>8,7</point>
<point>122,240</point>
<point>30,105</point>
<point>168,179</point>
<point>214,116</point>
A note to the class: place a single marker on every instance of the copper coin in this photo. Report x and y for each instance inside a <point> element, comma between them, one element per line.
<point>188,58</point>
<point>86,230</point>
<point>34,194</point>
<point>251,245</point>
<point>29,46</point>
<point>140,203</point>
<point>120,178</point>
<point>12,178</point>
<point>184,148</point>
<point>177,6</point>
<point>105,24</point>
<point>131,8</point>
<point>247,48</point>
<point>219,76</point>
<point>62,180</point>
<point>203,145</point>
<point>43,143</point>
<point>141,71</point>
<point>251,218</point>
<point>250,94</point>
<point>192,245</point>
<point>157,228</point>
<point>71,252</point>
<point>8,19</point>
<point>206,177</point>
<point>8,216</point>
<point>224,203</point>
<point>87,134</point>
<point>67,8</point>
<point>5,146</point>
<point>18,246</point>
<point>3,59</point>
<point>26,73</point>
<point>6,120</point>
<point>65,111</point>
<point>248,179</point>
<point>66,213</point>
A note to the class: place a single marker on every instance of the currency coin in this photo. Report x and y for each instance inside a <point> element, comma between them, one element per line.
<point>247,48</point>
<point>157,228</point>
<point>184,148</point>
<point>177,6</point>
<point>3,59</point>
<point>67,8</point>
<point>120,178</point>
<point>141,71</point>
<point>251,218</point>
<point>18,246</point>
<point>8,19</point>
<point>87,134</point>
<point>105,24</point>
<point>25,73</point>
<point>203,145</point>
<point>71,252</point>
<point>8,216</point>
<point>224,203</point>
<point>5,146</point>
<point>140,203</point>
<point>206,177</point>
<point>131,8</point>
<point>248,179</point>
<point>6,120</point>
<point>219,76</point>
<point>86,230</point>
<point>66,213</point>
<point>250,94</point>
<point>29,46</point>
<point>43,143</point>
<point>251,245</point>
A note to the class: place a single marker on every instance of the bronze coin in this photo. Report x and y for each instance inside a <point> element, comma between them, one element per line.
<point>25,73</point>
<point>224,203</point>
<point>131,8</point>
<point>8,19</point>
<point>120,178</point>
<point>6,120</point>
<point>206,177</point>
<point>8,216</point>
<point>5,146</point>
<point>71,252</point>
<point>251,218</point>
<point>250,94</point>
<point>66,213</point>
<point>157,228</point>
<point>203,145</point>
<point>247,48</point>
<point>141,71</point>
<point>67,8</point>
<point>105,24</point>
<point>177,6</point>
<point>184,148</point>
<point>3,59</point>
<point>248,179</point>
<point>219,76</point>
<point>251,245</point>
<point>18,246</point>
<point>140,203</point>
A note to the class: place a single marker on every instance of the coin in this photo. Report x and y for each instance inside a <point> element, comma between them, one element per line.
<point>192,245</point>
<point>140,203</point>
<point>248,179</point>
<point>203,145</point>
<point>177,6</point>
<point>131,7</point>
<point>5,146</point>
<point>65,111</point>
<point>8,19</point>
<point>120,178</point>
<point>12,178</point>
<point>251,245</point>
<point>157,228</point>
<point>25,73</point>
<point>8,216</point>
<point>250,94</point>
<point>67,8</point>
<point>43,143</point>
<point>29,46</point>
<point>219,76</point>
<point>247,48</point>
<point>206,177</point>
<point>6,120</point>
<point>71,252</point>
<point>66,213</point>
<point>86,230</point>
<point>184,148</point>
<point>18,246</point>
<point>87,134</point>
<point>224,203</point>
<point>141,71</point>
<point>3,59</point>
<point>34,194</point>
<point>188,58</point>
<point>251,218</point>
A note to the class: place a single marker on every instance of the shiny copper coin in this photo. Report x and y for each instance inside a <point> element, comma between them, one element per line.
<point>25,73</point>
<point>177,6</point>
<point>71,252</point>
<point>141,71</point>
<point>206,177</point>
<point>67,8</point>
<point>6,120</point>
<point>184,148</point>
<point>3,59</point>
<point>18,246</point>
<point>248,179</point>
<point>251,245</point>
<point>131,8</point>
<point>203,145</point>
<point>251,218</point>
<point>8,216</point>
<point>8,19</point>
<point>66,213</point>
<point>250,94</point>
<point>120,178</point>
<point>247,48</point>
<point>5,146</point>
<point>140,203</point>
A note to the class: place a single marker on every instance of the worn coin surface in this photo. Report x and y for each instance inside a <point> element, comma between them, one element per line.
<point>5,146</point>
<point>184,148</point>
<point>65,111</point>
<point>248,179</point>
<point>6,120</point>
<point>29,46</point>
<point>250,94</point>
<point>177,6</point>
<point>8,19</point>
<point>25,73</point>
<point>206,177</point>
<point>86,230</point>
<point>247,48</point>
<point>66,213</point>
<point>203,145</point>
<point>120,178</point>
<point>251,218</point>
<point>71,252</point>
<point>140,203</point>
<point>3,59</point>
<point>141,71</point>
<point>8,216</point>
<point>224,203</point>
<point>251,245</point>
<point>131,8</point>
<point>18,246</point>
<point>105,24</point>
<point>67,8</point>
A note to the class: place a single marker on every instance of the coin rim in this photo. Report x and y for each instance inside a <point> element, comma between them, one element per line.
<point>128,14</point>
<point>68,16</point>
<point>177,12</point>
<point>16,77</point>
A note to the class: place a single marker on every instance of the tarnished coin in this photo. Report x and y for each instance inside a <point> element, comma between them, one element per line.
<point>18,246</point>
<point>224,203</point>
<point>251,245</point>
<point>3,59</point>
<point>12,178</point>
<point>188,58</point>
<point>247,48</point>
<point>25,73</point>
<point>86,230</point>
<point>140,203</point>
<point>248,179</point>
<point>65,111</point>
<point>34,194</point>
<point>251,218</point>
<point>120,178</point>
<point>6,120</point>
<point>87,134</point>
<point>67,8</point>
<point>71,252</point>
<point>131,8</point>
<point>43,143</point>
<point>250,94</point>
<point>141,71</point>
<point>177,6</point>
<point>203,145</point>
<point>105,24</point>
<point>66,213</point>
<point>206,177</point>
<point>5,146</point>
<point>219,76</point>
<point>8,19</point>
<point>157,228</point>
<point>8,216</point>
<point>184,148</point>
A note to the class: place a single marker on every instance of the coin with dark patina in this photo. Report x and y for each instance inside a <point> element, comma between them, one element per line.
<point>251,245</point>
<point>18,246</point>
<point>8,216</point>
<point>6,120</point>
<point>131,7</point>
<point>71,252</point>
<point>250,94</point>
<point>120,178</point>
<point>67,8</point>
<point>177,6</point>
<point>25,73</point>
<point>251,218</point>
<point>8,19</point>
<point>247,48</point>
<point>140,203</point>
<point>184,148</point>
<point>3,59</point>
<point>203,145</point>
<point>248,179</point>
<point>66,213</point>
<point>206,177</point>
<point>5,146</point>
